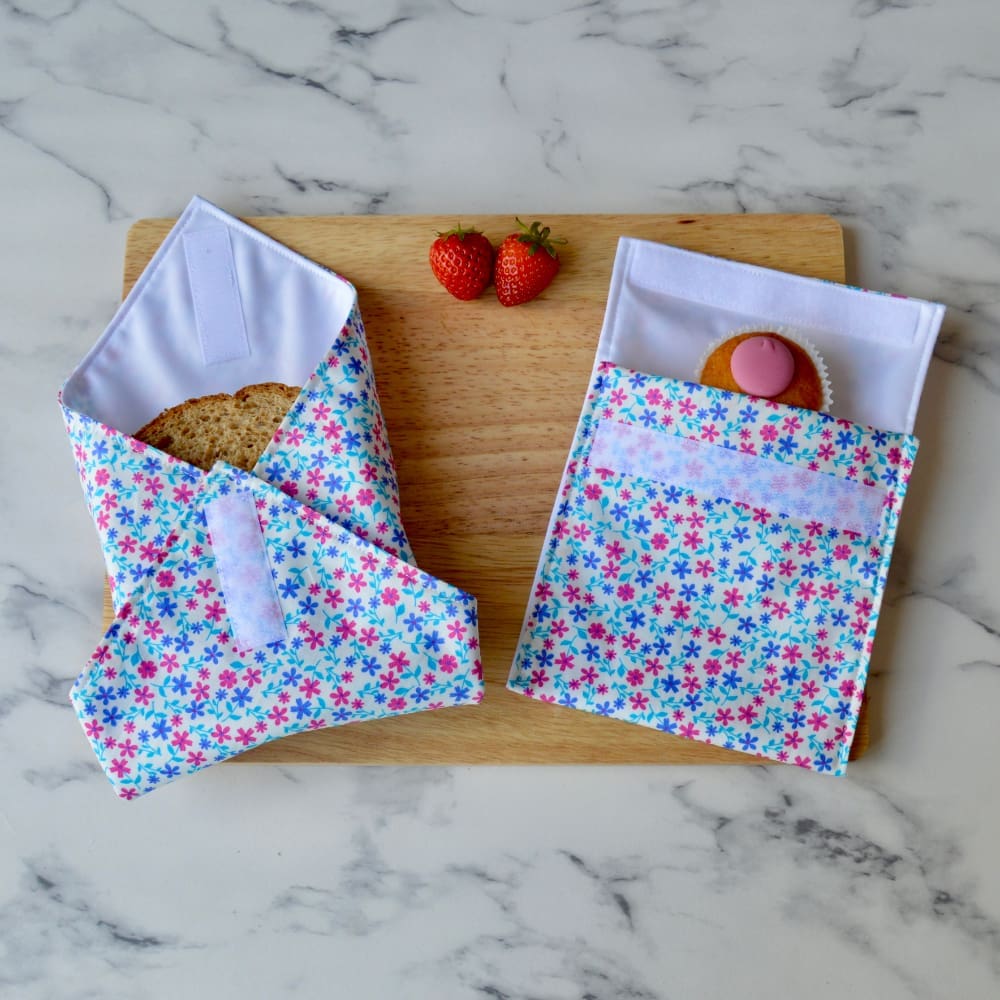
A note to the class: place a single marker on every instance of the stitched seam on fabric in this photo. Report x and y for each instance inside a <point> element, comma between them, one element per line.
<point>738,477</point>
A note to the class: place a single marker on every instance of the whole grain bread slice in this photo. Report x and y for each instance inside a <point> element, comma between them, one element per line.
<point>232,428</point>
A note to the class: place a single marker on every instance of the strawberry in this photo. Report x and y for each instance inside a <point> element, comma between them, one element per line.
<point>526,264</point>
<point>462,260</point>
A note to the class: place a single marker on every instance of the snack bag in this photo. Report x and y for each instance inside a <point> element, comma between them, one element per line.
<point>715,561</point>
<point>221,306</point>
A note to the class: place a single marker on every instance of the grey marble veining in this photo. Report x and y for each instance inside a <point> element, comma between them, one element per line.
<point>507,883</point>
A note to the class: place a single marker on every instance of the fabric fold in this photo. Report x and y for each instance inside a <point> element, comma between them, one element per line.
<point>169,690</point>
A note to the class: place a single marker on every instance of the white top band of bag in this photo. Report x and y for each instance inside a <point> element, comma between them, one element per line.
<point>667,306</point>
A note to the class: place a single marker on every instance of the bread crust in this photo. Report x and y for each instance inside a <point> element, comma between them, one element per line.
<point>221,427</point>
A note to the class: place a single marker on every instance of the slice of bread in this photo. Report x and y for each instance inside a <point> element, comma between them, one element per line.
<point>235,429</point>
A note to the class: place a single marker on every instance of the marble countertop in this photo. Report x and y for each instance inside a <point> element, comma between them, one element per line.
<point>489,882</point>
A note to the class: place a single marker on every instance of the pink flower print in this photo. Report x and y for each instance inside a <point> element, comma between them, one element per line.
<point>818,721</point>
<point>214,612</point>
<point>448,663</point>
<point>153,630</point>
<point>680,611</point>
<point>204,588</point>
<point>181,739</point>
<point>639,702</point>
<point>119,768</point>
<point>228,679</point>
<point>791,653</point>
<point>692,540</point>
<point>333,598</point>
<point>309,687</point>
<point>733,598</point>
<point>245,737</point>
<point>315,639</point>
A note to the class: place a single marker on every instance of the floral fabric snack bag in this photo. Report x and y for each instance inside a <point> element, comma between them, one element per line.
<point>249,606</point>
<point>716,557</point>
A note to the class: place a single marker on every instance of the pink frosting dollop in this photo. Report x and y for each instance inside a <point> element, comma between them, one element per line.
<point>762,366</point>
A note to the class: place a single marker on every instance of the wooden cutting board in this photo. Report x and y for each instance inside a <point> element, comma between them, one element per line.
<point>481,402</point>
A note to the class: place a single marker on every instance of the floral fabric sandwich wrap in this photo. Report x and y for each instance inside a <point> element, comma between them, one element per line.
<point>249,607</point>
<point>715,561</point>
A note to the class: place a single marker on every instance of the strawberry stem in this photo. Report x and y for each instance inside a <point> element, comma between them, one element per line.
<point>538,236</point>
<point>458,231</point>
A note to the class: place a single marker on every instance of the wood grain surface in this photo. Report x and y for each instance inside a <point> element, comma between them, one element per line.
<point>481,402</point>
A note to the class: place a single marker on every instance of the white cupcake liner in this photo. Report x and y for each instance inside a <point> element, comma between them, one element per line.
<point>789,334</point>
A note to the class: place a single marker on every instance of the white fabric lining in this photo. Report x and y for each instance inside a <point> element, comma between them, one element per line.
<point>149,357</point>
<point>666,305</point>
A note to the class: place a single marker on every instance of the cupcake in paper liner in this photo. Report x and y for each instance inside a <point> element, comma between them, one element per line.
<point>771,363</point>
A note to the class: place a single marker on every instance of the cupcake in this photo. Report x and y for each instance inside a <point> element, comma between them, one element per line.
<point>771,364</point>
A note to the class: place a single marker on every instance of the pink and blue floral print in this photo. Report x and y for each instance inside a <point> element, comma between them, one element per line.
<point>249,606</point>
<point>331,451</point>
<point>741,615</point>
<point>169,690</point>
